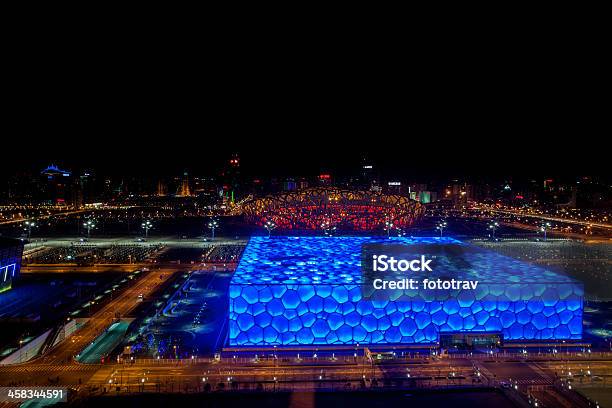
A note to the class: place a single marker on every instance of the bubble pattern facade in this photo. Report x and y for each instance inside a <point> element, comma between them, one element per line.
<point>335,313</point>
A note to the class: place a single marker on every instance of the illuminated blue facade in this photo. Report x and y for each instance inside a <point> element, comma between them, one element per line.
<point>11,251</point>
<point>308,291</point>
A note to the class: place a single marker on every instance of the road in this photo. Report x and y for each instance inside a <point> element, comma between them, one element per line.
<point>43,217</point>
<point>440,372</point>
<point>105,343</point>
<point>556,233</point>
<point>102,268</point>
<point>59,361</point>
<point>169,240</point>
<point>545,217</point>
<point>534,375</point>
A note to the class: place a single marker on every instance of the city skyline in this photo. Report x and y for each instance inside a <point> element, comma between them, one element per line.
<point>421,158</point>
<point>240,270</point>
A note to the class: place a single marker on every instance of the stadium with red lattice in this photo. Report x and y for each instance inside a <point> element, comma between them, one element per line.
<point>314,208</point>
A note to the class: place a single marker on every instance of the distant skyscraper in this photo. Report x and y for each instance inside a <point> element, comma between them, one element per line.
<point>325,179</point>
<point>368,176</point>
<point>184,190</point>
<point>231,179</point>
<point>57,184</point>
<point>88,188</point>
<point>162,190</point>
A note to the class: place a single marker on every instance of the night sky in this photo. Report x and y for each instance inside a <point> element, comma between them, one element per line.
<point>134,110</point>
<point>425,158</point>
<point>132,128</point>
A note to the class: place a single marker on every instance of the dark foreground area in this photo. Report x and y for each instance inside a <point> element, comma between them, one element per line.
<point>357,399</point>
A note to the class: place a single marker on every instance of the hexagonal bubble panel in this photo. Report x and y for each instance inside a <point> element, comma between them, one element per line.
<point>316,299</point>
<point>301,316</point>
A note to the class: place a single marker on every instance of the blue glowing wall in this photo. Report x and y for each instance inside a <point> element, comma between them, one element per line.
<point>11,251</point>
<point>301,291</point>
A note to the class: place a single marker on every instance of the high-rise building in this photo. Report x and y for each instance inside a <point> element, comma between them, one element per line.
<point>368,176</point>
<point>57,185</point>
<point>184,189</point>
<point>88,188</point>
<point>231,179</point>
<point>162,189</point>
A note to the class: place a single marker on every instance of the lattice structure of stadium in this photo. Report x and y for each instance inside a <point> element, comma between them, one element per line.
<point>311,208</point>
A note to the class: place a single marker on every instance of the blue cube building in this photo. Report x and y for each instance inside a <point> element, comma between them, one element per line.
<point>308,291</point>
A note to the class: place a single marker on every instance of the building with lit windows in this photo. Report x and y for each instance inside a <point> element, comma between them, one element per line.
<point>57,185</point>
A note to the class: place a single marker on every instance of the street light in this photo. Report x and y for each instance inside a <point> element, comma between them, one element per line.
<point>388,227</point>
<point>440,227</point>
<point>212,224</point>
<point>28,226</point>
<point>147,225</point>
<point>270,226</point>
<point>89,224</point>
<point>544,227</point>
<point>328,229</point>
<point>493,227</point>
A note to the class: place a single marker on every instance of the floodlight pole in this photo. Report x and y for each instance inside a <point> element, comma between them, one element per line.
<point>269,226</point>
<point>493,227</point>
<point>441,225</point>
<point>89,224</point>
<point>29,225</point>
<point>545,226</point>
<point>146,225</point>
<point>212,225</point>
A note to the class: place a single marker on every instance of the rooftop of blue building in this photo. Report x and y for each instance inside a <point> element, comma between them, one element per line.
<point>338,260</point>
